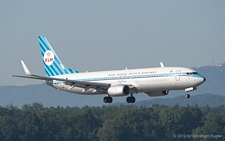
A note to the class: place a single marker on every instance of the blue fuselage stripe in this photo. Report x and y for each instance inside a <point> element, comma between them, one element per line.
<point>138,77</point>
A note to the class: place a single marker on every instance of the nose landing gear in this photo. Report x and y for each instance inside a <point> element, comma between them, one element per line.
<point>187,96</point>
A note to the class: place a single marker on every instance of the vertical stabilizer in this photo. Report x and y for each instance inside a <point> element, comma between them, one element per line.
<point>52,64</point>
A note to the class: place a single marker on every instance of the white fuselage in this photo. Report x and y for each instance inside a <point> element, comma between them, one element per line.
<point>139,80</point>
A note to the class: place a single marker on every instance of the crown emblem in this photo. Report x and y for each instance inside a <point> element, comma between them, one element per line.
<point>48,54</point>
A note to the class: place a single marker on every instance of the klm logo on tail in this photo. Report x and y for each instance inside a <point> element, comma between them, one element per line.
<point>48,57</point>
<point>52,64</point>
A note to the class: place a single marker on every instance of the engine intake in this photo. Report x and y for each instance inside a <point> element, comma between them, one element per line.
<point>119,90</point>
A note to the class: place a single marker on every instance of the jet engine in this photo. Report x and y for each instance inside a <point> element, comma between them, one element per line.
<point>119,90</point>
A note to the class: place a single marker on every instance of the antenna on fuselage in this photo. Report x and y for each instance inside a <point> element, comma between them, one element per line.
<point>161,64</point>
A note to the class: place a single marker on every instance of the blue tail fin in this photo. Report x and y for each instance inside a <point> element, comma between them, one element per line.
<point>53,65</point>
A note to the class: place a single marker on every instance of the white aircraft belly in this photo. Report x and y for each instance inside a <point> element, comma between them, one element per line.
<point>77,90</point>
<point>154,84</point>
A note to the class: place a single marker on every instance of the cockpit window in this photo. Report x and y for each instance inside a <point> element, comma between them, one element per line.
<point>190,73</point>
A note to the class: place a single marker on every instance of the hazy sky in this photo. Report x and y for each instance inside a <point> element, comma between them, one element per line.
<point>103,35</point>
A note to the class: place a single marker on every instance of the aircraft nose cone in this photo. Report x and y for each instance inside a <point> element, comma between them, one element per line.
<point>204,79</point>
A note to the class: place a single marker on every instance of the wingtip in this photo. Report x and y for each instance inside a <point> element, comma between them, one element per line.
<point>25,68</point>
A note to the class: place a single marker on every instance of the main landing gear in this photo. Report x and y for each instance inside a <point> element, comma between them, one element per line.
<point>130,99</point>
<point>107,99</point>
<point>187,96</point>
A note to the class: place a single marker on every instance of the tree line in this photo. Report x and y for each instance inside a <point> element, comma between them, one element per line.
<point>33,122</point>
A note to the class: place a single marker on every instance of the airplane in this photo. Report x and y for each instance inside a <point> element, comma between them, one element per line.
<point>151,81</point>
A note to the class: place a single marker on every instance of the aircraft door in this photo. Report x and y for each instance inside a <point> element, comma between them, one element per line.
<point>177,76</point>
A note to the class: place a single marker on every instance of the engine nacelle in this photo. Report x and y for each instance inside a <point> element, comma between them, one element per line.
<point>119,90</point>
<point>161,93</point>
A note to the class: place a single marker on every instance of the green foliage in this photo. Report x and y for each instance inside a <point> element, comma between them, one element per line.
<point>124,123</point>
<point>180,120</point>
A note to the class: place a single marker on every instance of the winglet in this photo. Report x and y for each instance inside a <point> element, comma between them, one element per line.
<point>161,64</point>
<point>25,68</point>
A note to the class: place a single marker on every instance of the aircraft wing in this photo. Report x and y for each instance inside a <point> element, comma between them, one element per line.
<point>76,83</point>
<point>70,82</point>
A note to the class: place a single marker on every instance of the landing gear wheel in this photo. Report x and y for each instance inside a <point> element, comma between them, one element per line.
<point>130,99</point>
<point>110,99</point>
<point>187,96</point>
<point>107,99</point>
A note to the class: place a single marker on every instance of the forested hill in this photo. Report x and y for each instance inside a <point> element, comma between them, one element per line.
<point>48,96</point>
<point>215,79</point>
<point>111,123</point>
<point>211,100</point>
